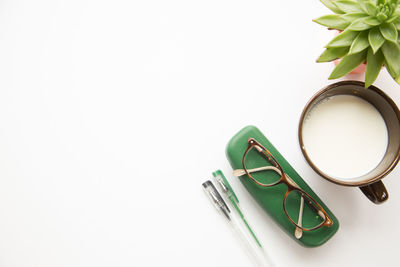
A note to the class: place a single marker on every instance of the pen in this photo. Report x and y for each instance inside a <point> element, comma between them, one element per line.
<point>222,207</point>
<point>227,189</point>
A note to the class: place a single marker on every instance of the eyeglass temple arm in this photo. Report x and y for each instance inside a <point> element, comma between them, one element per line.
<point>241,172</point>
<point>298,233</point>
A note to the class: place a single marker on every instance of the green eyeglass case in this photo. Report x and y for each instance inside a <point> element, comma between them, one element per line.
<point>271,198</point>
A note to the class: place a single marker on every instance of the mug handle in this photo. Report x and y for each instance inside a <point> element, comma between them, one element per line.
<point>375,192</point>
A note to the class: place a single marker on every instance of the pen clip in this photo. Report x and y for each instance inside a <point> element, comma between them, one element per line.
<point>223,182</point>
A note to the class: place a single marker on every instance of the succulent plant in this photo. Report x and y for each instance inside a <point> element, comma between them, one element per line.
<point>369,33</point>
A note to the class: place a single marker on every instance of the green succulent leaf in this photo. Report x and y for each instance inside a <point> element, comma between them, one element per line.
<point>334,21</point>
<point>374,66</point>
<point>381,16</point>
<point>392,18</point>
<point>397,23</point>
<point>362,5</point>
<point>371,8</point>
<point>375,39</point>
<point>394,2</point>
<point>347,64</point>
<point>360,43</point>
<point>392,73</point>
<point>346,38</point>
<point>389,31</point>
<point>359,25</point>
<point>372,21</point>
<point>391,51</point>
<point>395,5</point>
<point>332,6</point>
<point>354,16</point>
<point>348,6</point>
<point>333,53</point>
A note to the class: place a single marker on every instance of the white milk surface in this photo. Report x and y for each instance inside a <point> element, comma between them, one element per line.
<point>345,136</point>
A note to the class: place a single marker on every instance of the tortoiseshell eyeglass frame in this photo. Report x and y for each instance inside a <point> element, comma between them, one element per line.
<point>291,185</point>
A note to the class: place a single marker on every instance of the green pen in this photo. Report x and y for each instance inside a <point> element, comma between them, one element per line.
<point>227,189</point>
<point>262,255</point>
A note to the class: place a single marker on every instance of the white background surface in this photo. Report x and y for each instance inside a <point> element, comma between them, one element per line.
<point>112,114</point>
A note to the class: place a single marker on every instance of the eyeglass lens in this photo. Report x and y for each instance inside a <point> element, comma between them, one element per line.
<point>310,217</point>
<point>254,159</point>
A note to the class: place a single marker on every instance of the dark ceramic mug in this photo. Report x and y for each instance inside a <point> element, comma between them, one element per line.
<point>370,183</point>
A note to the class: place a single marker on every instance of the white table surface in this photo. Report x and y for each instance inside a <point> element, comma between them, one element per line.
<point>112,114</point>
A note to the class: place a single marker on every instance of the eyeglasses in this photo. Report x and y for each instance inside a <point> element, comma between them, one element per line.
<point>263,169</point>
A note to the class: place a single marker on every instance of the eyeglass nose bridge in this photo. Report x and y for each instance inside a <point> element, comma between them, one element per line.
<point>290,183</point>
